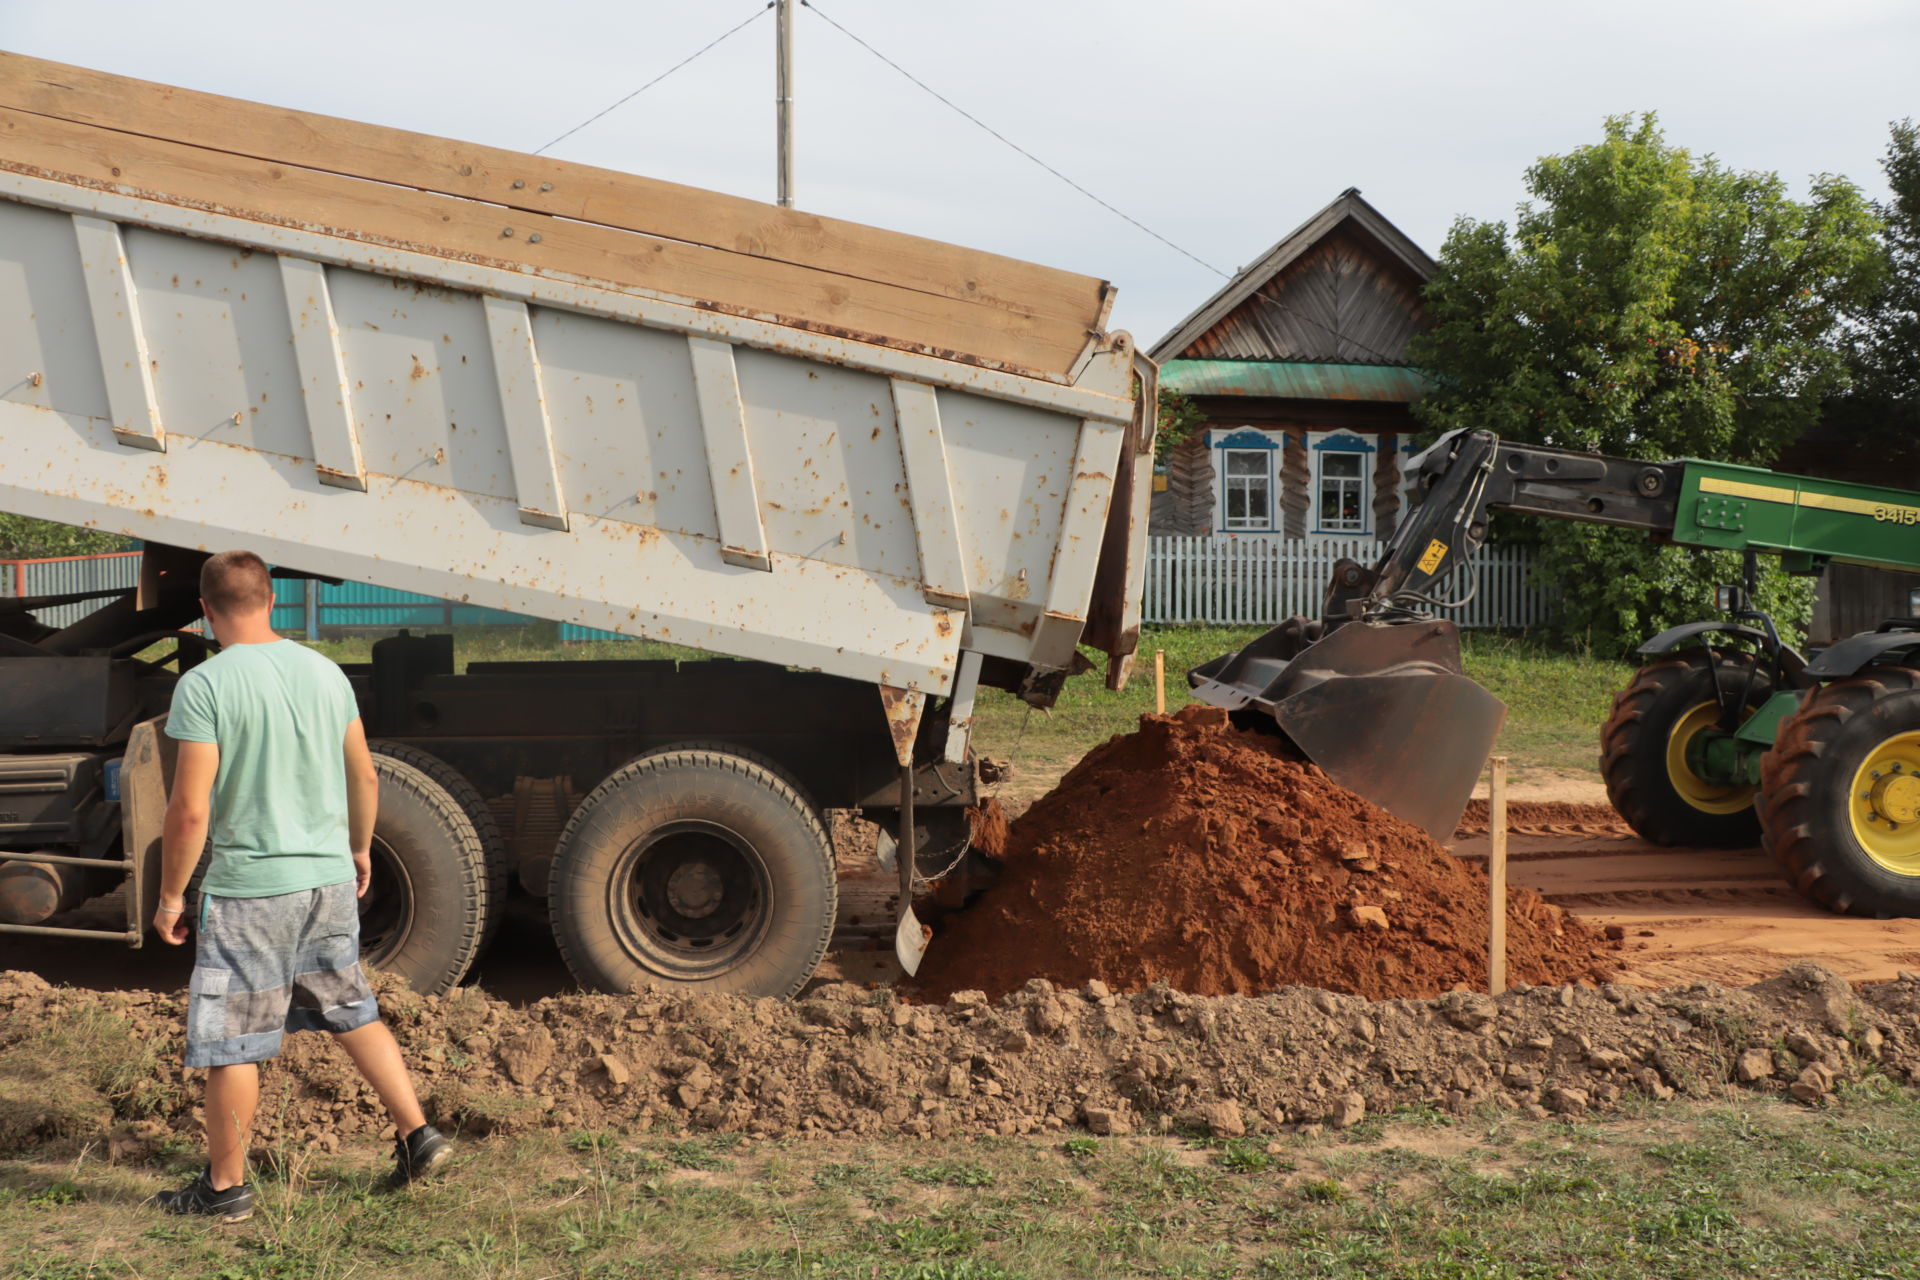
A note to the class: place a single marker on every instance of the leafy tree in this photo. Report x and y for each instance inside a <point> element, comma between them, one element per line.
<point>1882,417</point>
<point>24,538</point>
<point>1648,303</point>
<point>1178,419</point>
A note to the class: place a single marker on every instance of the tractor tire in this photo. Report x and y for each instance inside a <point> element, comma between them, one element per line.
<point>700,868</point>
<point>1643,744</point>
<point>492,844</point>
<point>424,912</point>
<point>1841,813</point>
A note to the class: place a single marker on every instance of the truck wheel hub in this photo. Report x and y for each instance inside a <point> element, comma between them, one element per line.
<point>695,889</point>
<point>690,901</point>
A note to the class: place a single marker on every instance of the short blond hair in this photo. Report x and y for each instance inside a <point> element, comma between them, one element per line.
<point>235,582</point>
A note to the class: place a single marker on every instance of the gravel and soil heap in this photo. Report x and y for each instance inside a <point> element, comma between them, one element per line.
<point>102,1067</point>
<point>1211,859</point>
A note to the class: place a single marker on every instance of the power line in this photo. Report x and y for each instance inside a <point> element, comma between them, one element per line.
<point>955,107</point>
<point>995,133</point>
<point>1008,141</point>
<point>657,79</point>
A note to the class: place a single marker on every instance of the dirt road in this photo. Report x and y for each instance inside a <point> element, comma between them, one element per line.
<point>1689,915</point>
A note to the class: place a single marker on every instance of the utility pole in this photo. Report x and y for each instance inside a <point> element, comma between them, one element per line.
<point>783,100</point>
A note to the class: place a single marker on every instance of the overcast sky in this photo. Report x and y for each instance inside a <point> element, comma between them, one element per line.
<point>1221,124</point>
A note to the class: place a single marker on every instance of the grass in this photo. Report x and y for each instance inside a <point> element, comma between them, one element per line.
<point>1556,702</point>
<point>1750,1187</point>
<point>54,1084</point>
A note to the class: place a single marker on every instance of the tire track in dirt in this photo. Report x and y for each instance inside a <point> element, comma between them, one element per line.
<point>1683,915</point>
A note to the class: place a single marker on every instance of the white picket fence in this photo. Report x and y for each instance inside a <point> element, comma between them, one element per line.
<point>1250,581</point>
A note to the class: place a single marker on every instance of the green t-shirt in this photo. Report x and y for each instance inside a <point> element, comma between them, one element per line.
<point>279,714</point>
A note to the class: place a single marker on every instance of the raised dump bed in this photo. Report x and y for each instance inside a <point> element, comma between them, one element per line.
<point>570,393</point>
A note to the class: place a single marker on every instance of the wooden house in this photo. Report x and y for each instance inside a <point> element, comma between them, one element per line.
<point>1299,366</point>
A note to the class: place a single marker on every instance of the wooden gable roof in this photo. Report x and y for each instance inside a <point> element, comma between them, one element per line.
<point>1344,287</point>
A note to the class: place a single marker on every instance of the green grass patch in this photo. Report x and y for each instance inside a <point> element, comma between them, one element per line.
<point>1556,702</point>
<point>1757,1188</point>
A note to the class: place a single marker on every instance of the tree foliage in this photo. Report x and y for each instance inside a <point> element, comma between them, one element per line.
<point>1884,411</point>
<point>1178,419</point>
<point>1648,303</point>
<point>24,538</point>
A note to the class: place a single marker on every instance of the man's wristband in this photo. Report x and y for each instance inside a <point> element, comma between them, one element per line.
<point>175,910</point>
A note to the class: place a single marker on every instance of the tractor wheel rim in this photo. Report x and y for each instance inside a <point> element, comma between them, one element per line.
<point>1707,797</point>
<point>1884,804</point>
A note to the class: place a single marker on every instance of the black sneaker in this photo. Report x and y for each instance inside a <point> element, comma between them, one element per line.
<point>235,1204</point>
<point>418,1154</point>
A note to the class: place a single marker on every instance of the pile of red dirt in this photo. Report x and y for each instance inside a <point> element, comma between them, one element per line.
<point>1212,859</point>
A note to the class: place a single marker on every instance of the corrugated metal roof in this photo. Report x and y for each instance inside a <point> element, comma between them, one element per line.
<point>1288,380</point>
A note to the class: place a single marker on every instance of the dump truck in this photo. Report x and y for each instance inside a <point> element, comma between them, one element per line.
<point>1727,736</point>
<point>871,474</point>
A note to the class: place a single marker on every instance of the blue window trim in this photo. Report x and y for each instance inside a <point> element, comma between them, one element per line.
<point>1246,438</point>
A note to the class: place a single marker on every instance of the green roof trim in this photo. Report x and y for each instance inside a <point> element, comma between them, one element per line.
<point>1289,380</point>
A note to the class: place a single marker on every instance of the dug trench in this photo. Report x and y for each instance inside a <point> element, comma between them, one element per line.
<point>1320,1012</point>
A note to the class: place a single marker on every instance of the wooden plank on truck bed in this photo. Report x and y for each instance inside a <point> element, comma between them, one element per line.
<point>450,227</point>
<point>853,257</point>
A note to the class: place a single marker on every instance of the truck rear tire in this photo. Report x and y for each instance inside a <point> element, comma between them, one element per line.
<point>699,868</point>
<point>1841,787</point>
<point>493,845</point>
<point>424,913</point>
<point>1643,752</point>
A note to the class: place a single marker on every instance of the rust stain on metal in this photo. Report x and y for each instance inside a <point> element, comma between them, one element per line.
<point>903,708</point>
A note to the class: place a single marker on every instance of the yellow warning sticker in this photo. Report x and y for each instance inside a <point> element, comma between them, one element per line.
<point>1430,559</point>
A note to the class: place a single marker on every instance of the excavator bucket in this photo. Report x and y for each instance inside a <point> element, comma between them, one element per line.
<point>1384,708</point>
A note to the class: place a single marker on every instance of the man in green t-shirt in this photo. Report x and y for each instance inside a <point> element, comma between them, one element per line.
<point>274,759</point>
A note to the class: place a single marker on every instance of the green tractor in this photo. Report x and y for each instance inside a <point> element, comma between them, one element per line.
<point>1727,737</point>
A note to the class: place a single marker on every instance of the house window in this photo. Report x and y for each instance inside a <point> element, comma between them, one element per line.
<point>1248,481</point>
<point>1342,493</point>
<point>1244,479</point>
<point>1342,484</point>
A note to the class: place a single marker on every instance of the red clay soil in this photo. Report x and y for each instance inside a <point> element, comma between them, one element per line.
<point>1210,858</point>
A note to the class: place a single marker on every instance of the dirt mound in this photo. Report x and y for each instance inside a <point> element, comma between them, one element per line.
<point>849,1060</point>
<point>1208,858</point>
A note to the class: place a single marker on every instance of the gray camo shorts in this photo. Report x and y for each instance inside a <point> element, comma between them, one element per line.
<point>267,966</point>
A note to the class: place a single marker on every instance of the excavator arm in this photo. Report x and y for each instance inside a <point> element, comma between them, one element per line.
<point>1373,690</point>
<point>1468,475</point>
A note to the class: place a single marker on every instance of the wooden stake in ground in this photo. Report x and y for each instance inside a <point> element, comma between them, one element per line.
<point>1159,682</point>
<point>1497,876</point>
